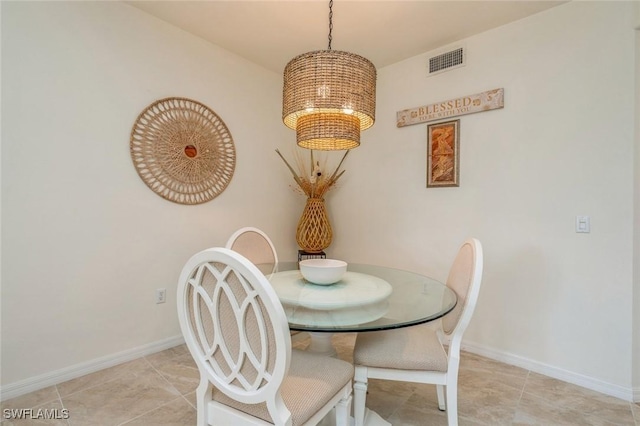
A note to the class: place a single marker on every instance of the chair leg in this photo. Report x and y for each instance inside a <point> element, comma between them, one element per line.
<point>343,411</point>
<point>203,396</point>
<point>359,395</point>
<point>452,403</point>
<point>441,403</point>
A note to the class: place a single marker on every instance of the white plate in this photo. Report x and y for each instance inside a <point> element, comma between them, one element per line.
<point>354,289</point>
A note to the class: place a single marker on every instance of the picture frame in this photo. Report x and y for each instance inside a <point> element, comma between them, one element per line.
<point>443,154</point>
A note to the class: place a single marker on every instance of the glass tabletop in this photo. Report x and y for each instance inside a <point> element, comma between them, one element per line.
<point>368,298</point>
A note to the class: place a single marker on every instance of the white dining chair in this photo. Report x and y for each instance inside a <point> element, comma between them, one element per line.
<point>417,354</point>
<point>255,245</point>
<point>236,330</point>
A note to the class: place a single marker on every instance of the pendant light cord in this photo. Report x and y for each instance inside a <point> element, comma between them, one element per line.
<point>330,21</point>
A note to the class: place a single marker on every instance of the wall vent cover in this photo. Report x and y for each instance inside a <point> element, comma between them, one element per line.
<point>446,61</point>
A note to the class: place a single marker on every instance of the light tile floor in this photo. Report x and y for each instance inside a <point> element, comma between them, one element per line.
<point>159,389</point>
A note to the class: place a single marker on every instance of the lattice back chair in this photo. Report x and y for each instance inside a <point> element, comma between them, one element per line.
<point>417,354</point>
<point>236,330</point>
<point>255,245</point>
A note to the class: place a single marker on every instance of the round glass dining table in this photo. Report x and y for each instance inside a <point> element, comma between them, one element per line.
<point>367,298</point>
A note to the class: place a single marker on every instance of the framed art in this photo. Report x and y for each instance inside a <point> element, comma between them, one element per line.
<point>443,154</point>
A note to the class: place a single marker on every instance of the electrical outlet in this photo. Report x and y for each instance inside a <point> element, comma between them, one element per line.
<point>583,224</point>
<point>161,295</point>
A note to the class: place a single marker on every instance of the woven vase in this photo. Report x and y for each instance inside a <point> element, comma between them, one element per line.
<point>314,232</point>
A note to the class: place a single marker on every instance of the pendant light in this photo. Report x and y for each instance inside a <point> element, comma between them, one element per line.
<point>328,97</point>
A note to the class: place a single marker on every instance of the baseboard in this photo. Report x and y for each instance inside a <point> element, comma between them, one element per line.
<point>627,394</point>
<point>13,390</point>
<point>22,387</point>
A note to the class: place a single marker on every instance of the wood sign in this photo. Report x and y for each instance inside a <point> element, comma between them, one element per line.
<point>485,101</point>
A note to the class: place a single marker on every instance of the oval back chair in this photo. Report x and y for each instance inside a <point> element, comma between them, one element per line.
<point>237,332</point>
<point>255,245</point>
<point>417,354</point>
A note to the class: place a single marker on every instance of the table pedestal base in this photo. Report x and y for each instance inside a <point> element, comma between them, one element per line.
<point>321,344</point>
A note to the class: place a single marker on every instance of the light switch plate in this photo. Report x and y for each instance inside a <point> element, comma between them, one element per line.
<point>583,224</point>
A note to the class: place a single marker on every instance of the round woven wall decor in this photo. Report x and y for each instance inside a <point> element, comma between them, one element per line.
<point>182,151</point>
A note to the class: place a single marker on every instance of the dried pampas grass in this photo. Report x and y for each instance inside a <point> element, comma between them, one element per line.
<point>310,176</point>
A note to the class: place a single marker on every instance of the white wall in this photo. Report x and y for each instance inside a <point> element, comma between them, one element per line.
<point>636,248</point>
<point>85,243</point>
<point>562,146</point>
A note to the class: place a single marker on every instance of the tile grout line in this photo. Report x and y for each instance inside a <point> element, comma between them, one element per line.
<point>595,414</point>
<point>40,402</point>
<point>189,402</point>
<point>62,404</point>
<point>97,384</point>
<point>162,375</point>
<point>515,409</point>
<point>600,417</point>
<point>170,384</point>
<point>395,410</point>
<point>524,385</point>
<point>149,367</point>
<point>58,399</point>
<point>180,395</point>
<point>111,380</point>
<point>149,411</point>
<point>85,389</point>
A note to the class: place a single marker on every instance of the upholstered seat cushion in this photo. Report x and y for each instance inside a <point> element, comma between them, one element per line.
<point>409,348</point>
<point>312,380</point>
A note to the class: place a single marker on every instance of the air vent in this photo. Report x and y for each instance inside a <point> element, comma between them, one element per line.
<point>446,61</point>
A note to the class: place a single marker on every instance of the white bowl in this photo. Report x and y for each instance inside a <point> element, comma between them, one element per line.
<point>323,271</point>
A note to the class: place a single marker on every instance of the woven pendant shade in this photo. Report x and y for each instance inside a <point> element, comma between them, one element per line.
<point>328,131</point>
<point>328,97</point>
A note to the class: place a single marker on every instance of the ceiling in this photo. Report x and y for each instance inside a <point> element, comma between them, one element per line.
<point>270,33</point>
